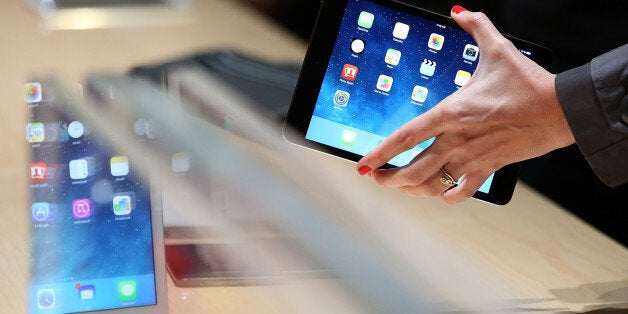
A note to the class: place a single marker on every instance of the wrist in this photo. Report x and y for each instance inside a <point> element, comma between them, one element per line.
<point>562,133</point>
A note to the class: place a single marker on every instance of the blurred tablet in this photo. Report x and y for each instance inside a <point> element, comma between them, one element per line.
<point>96,226</point>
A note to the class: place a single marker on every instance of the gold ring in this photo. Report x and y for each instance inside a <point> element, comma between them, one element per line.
<point>446,178</point>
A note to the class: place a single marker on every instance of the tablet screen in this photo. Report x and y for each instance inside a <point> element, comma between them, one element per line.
<point>386,68</point>
<point>90,216</point>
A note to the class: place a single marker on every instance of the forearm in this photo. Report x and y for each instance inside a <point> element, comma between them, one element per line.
<point>590,97</point>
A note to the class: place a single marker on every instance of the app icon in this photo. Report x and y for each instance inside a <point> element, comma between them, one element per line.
<point>32,92</point>
<point>39,172</point>
<point>127,290</point>
<point>86,292</point>
<point>436,41</point>
<point>41,212</point>
<point>471,52</point>
<point>349,72</point>
<point>384,83</point>
<point>79,169</point>
<point>401,30</point>
<point>119,166</point>
<point>419,93</point>
<point>393,56</point>
<point>180,162</point>
<point>357,45</point>
<point>76,129</point>
<point>45,299</point>
<point>427,67</point>
<point>35,132</point>
<point>348,138</point>
<point>123,203</point>
<point>462,77</point>
<point>366,19</point>
<point>81,208</point>
<point>341,98</point>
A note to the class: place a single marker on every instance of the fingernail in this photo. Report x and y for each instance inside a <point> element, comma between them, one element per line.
<point>364,170</point>
<point>458,9</point>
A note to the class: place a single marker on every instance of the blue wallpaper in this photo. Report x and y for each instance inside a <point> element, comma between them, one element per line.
<point>370,110</point>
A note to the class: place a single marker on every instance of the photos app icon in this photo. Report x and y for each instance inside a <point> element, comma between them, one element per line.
<point>32,92</point>
<point>436,41</point>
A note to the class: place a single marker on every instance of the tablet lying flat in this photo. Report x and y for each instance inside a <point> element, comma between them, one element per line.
<point>372,66</point>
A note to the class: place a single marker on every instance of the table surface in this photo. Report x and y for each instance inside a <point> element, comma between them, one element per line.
<point>558,262</point>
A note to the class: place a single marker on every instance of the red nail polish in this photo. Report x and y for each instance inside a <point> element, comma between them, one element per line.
<point>364,170</point>
<point>458,9</point>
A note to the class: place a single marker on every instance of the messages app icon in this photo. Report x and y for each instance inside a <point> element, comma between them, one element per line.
<point>366,19</point>
<point>348,138</point>
<point>127,290</point>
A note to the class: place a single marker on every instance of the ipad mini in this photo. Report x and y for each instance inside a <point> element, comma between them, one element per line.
<point>374,65</point>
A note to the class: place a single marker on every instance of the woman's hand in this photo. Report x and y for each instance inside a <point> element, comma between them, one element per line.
<point>507,112</point>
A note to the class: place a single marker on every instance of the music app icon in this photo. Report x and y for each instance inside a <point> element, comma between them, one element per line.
<point>81,208</point>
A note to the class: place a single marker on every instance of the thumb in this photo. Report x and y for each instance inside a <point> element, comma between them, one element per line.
<point>477,24</point>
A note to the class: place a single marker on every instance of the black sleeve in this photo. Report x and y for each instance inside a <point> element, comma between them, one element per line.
<point>590,97</point>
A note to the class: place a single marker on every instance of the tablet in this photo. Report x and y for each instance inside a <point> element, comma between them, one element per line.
<point>96,232</point>
<point>372,66</point>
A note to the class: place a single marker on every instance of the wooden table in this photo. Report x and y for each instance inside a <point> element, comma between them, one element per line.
<point>558,262</point>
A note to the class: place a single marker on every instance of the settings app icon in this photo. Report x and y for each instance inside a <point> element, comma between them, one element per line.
<point>341,98</point>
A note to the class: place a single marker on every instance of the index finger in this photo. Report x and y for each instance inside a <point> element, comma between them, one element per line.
<point>406,137</point>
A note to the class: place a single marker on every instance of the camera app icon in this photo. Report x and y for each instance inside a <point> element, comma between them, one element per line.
<point>471,52</point>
